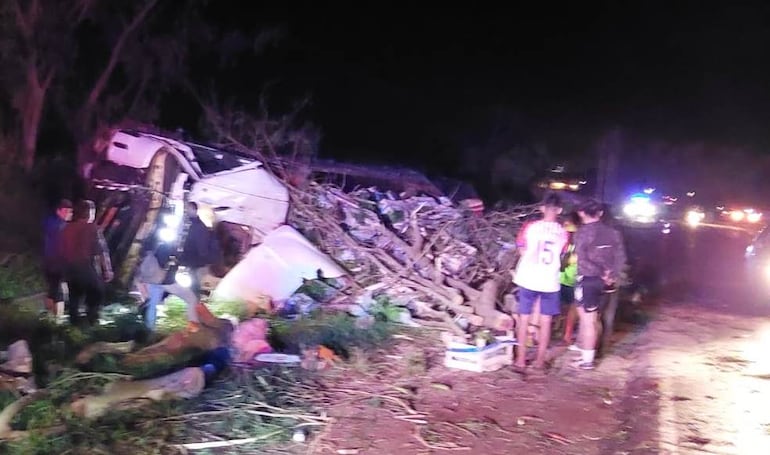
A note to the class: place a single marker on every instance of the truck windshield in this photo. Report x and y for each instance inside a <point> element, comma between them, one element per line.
<point>212,160</point>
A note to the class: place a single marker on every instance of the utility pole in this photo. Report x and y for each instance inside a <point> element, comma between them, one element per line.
<point>608,151</point>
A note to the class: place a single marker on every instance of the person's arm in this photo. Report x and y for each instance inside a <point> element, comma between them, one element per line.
<point>521,238</point>
<point>620,256</point>
<point>566,251</point>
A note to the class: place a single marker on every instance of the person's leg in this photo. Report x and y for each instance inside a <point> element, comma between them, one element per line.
<point>94,296</point>
<point>589,301</point>
<point>189,298</point>
<point>155,296</point>
<point>571,320</point>
<point>76,294</point>
<point>608,313</point>
<point>550,306</point>
<point>568,300</point>
<point>526,302</point>
<point>197,276</point>
<point>534,323</point>
<point>52,280</point>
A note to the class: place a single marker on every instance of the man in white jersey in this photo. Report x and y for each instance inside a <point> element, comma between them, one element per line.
<point>541,244</point>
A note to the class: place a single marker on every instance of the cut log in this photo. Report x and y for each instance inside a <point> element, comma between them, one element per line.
<point>485,306</point>
<point>102,347</point>
<point>186,383</point>
<point>10,411</point>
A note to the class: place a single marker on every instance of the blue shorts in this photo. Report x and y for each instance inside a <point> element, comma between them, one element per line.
<point>550,302</point>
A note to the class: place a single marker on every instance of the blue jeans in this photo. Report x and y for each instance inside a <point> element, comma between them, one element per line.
<point>156,292</point>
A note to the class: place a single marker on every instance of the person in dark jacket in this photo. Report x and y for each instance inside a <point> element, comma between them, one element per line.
<point>200,248</point>
<point>157,272</point>
<point>83,255</point>
<point>53,226</point>
<point>601,257</point>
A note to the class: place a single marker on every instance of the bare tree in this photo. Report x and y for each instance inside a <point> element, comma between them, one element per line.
<point>35,43</point>
<point>39,44</point>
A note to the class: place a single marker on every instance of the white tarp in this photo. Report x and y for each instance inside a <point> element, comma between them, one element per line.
<point>276,268</point>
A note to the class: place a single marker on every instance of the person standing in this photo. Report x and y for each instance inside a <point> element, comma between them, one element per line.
<point>157,272</point>
<point>601,257</point>
<point>537,275</point>
<point>85,263</point>
<point>53,226</point>
<point>568,279</point>
<point>199,249</point>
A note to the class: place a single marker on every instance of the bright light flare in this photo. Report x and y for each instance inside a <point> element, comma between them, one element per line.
<point>640,208</point>
<point>167,234</point>
<point>183,278</point>
<point>558,185</point>
<point>737,215</point>
<point>694,218</point>
<point>754,217</point>
<point>172,220</point>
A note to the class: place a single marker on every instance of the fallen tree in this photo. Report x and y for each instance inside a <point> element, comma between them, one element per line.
<point>453,263</point>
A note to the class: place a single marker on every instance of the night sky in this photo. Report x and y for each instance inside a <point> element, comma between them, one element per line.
<point>397,83</point>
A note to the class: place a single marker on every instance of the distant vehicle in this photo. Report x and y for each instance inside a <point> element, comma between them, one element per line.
<point>740,215</point>
<point>641,208</point>
<point>560,181</point>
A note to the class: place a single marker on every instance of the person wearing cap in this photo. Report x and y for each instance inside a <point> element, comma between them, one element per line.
<point>601,257</point>
<point>52,227</point>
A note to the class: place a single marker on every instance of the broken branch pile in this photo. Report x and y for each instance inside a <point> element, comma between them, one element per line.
<point>441,261</point>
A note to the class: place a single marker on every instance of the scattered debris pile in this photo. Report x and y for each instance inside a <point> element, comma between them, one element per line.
<point>446,263</point>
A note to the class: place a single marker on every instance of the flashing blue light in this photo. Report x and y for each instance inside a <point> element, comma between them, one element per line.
<point>640,197</point>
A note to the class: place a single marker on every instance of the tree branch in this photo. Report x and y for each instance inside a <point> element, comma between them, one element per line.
<point>117,49</point>
<point>25,19</point>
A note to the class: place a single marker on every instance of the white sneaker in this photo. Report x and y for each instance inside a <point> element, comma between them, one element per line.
<point>581,365</point>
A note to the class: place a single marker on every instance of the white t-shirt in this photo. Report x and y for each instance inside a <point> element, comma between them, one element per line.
<point>541,244</point>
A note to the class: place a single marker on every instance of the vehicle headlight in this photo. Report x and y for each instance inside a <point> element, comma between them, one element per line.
<point>172,220</point>
<point>167,234</point>
<point>737,215</point>
<point>640,208</point>
<point>694,217</point>
<point>183,278</point>
<point>754,217</point>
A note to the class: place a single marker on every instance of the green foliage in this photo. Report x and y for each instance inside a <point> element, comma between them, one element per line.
<point>384,310</point>
<point>22,276</point>
<point>39,414</point>
<point>336,331</point>
<point>172,314</point>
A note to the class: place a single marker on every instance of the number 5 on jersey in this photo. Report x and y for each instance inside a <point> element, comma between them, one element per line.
<point>546,253</point>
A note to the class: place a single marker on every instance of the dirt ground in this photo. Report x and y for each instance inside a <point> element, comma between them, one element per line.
<point>689,381</point>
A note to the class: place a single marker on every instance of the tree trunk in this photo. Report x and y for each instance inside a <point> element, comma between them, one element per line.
<point>85,117</point>
<point>31,112</point>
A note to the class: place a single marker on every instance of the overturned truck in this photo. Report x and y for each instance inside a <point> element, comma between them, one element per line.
<point>141,184</point>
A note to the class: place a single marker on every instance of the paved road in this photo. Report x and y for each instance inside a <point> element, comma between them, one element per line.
<point>700,371</point>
